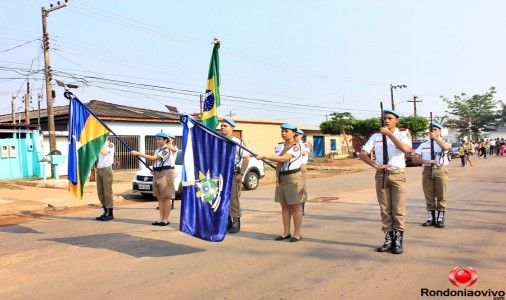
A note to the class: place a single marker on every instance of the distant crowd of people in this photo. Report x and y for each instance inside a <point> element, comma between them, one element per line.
<point>482,148</point>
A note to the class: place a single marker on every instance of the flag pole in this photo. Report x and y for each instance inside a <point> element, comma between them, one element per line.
<point>69,96</point>
<point>225,138</point>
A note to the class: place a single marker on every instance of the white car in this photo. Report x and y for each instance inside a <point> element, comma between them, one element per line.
<point>143,179</point>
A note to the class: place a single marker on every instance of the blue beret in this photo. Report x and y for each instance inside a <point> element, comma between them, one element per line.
<point>392,112</point>
<point>288,126</point>
<point>300,131</point>
<point>229,121</point>
<point>436,124</point>
<point>171,135</point>
<point>162,135</point>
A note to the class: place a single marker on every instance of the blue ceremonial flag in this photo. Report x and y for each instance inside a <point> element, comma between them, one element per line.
<point>208,172</point>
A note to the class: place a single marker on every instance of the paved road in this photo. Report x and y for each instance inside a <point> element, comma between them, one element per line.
<point>74,256</point>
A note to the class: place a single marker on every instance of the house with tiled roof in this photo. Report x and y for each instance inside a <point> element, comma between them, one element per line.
<point>137,128</point>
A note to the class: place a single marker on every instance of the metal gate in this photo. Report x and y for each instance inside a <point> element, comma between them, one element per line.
<point>123,160</point>
<point>150,143</point>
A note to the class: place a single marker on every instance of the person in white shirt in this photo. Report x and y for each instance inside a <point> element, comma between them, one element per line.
<point>392,198</point>
<point>305,154</point>
<point>240,165</point>
<point>163,174</point>
<point>104,180</point>
<point>289,182</point>
<point>434,187</point>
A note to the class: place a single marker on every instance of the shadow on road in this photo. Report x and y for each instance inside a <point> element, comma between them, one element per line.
<point>18,229</point>
<point>131,245</point>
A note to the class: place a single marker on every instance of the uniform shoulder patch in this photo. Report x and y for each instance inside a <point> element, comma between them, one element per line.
<point>296,148</point>
<point>110,145</point>
<point>164,152</point>
<point>409,135</point>
<point>403,129</point>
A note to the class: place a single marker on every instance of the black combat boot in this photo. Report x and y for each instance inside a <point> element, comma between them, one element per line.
<point>388,242</point>
<point>397,248</point>
<point>302,206</point>
<point>229,223</point>
<point>171,204</point>
<point>108,216</point>
<point>99,218</point>
<point>440,219</point>
<point>431,218</point>
<point>236,225</point>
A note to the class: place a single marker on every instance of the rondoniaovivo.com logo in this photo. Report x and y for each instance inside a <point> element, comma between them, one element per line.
<point>463,276</point>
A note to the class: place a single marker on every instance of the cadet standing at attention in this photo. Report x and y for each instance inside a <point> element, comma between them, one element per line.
<point>434,187</point>
<point>164,174</point>
<point>240,166</point>
<point>289,182</point>
<point>305,153</point>
<point>392,198</point>
<point>104,180</point>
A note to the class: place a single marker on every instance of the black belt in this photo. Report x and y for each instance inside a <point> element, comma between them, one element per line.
<point>289,171</point>
<point>162,168</point>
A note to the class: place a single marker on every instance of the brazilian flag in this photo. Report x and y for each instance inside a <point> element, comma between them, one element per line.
<point>212,96</point>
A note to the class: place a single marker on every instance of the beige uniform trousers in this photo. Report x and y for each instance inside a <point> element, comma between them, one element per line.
<point>392,200</point>
<point>435,188</point>
<point>163,183</point>
<point>289,189</point>
<point>234,210</point>
<point>104,186</point>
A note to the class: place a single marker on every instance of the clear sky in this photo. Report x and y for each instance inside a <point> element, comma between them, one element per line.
<point>295,61</point>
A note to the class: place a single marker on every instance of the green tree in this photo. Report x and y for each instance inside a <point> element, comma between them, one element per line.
<point>500,119</point>
<point>365,128</point>
<point>416,125</point>
<point>339,123</point>
<point>472,114</point>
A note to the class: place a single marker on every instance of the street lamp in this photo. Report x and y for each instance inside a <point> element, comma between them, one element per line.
<point>392,87</point>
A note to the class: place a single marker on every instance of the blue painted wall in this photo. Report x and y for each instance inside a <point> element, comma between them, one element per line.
<point>20,155</point>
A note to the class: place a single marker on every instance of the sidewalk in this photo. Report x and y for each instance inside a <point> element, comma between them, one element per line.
<point>34,197</point>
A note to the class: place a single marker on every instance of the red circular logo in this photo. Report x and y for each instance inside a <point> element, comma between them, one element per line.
<point>463,276</point>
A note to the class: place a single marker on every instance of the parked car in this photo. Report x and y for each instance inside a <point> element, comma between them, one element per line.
<point>253,174</point>
<point>454,152</point>
<point>143,179</point>
<point>408,156</point>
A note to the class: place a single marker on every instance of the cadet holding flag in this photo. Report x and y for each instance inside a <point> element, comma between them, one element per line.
<point>392,197</point>
<point>289,184</point>
<point>240,166</point>
<point>434,187</point>
<point>164,174</point>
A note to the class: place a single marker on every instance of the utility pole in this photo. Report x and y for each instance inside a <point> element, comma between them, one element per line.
<point>414,104</point>
<point>392,87</point>
<point>27,103</point>
<point>13,109</point>
<point>47,71</point>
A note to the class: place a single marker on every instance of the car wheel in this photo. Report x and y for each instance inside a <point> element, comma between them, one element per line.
<point>145,195</point>
<point>251,181</point>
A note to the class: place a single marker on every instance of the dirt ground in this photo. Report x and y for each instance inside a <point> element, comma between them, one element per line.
<point>316,168</point>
